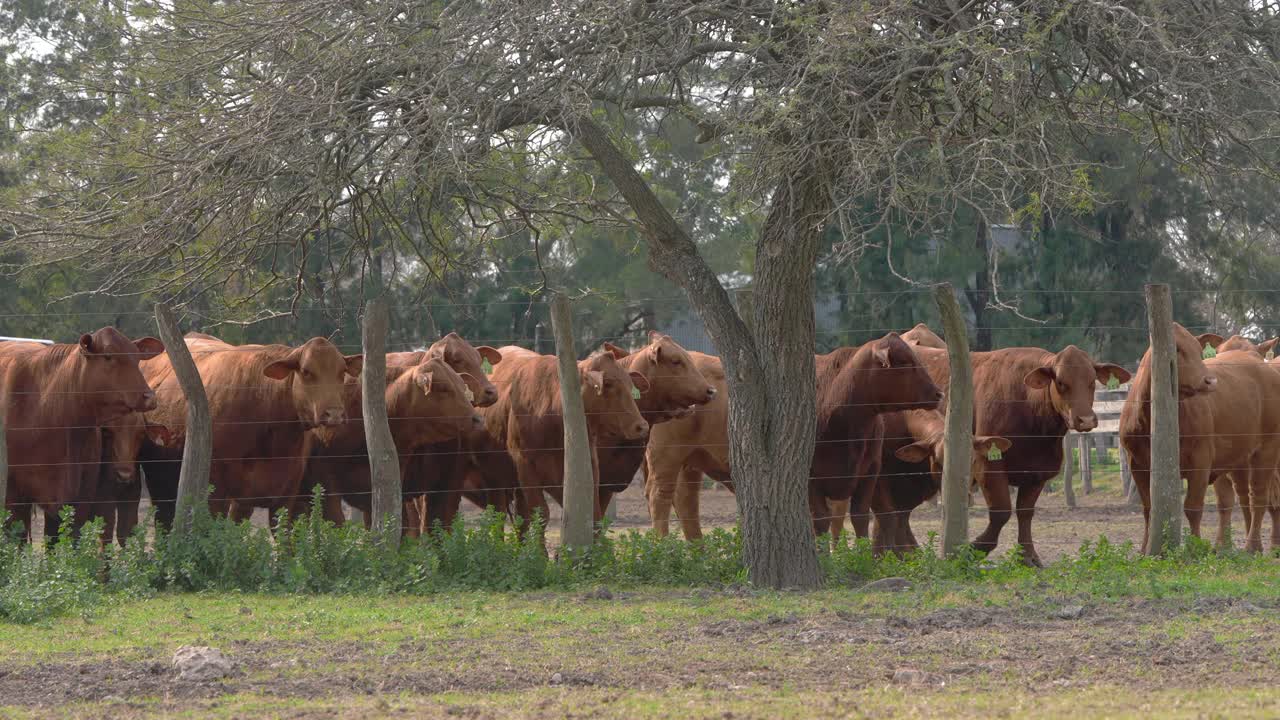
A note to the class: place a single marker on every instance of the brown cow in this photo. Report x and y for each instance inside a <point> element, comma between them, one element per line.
<point>269,404</point>
<point>55,399</point>
<point>854,386</point>
<point>437,471</point>
<point>426,404</point>
<point>676,389</point>
<point>526,421</point>
<point>1236,342</point>
<point>1229,430</point>
<point>1033,397</point>
<point>911,472</point>
<point>119,486</point>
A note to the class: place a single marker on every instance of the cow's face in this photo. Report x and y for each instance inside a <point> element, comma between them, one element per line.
<point>922,336</point>
<point>933,451</point>
<point>442,401</point>
<point>1069,378</point>
<point>316,372</point>
<point>1194,377</point>
<point>674,381</point>
<point>468,362</point>
<point>122,442</point>
<point>110,374</point>
<point>897,379</point>
<point>608,397</point>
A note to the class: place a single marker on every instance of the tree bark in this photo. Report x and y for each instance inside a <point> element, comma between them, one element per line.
<point>197,450</point>
<point>384,462</point>
<point>958,442</point>
<point>769,367</point>
<point>1086,464</point>
<point>981,293</point>
<point>1166,478</point>
<point>579,480</point>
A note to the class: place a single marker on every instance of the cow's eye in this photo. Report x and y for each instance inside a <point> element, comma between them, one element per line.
<point>306,375</point>
<point>677,362</point>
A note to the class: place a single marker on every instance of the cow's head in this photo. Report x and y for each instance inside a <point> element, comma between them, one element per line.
<point>468,362</point>
<point>1069,378</point>
<point>674,381</point>
<point>122,439</point>
<point>438,400</point>
<point>1237,342</point>
<point>110,375</point>
<point>933,451</point>
<point>1194,377</point>
<point>315,373</point>
<point>894,377</point>
<point>922,336</point>
<point>608,397</point>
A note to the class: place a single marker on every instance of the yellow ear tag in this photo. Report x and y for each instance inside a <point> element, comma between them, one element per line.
<point>1271,355</point>
<point>1209,352</point>
<point>1113,383</point>
<point>635,393</point>
<point>994,453</point>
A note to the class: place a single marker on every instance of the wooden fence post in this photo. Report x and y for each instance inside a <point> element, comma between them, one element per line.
<point>576,532</point>
<point>1067,491</point>
<point>959,424</point>
<point>387,503</point>
<point>197,449</point>
<point>1086,467</point>
<point>1166,477</point>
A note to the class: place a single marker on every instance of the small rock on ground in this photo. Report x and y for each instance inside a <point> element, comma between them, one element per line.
<point>201,664</point>
<point>889,584</point>
<point>911,676</point>
<point>1069,612</point>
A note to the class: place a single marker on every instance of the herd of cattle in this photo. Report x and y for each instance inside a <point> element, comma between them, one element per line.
<point>483,424</point>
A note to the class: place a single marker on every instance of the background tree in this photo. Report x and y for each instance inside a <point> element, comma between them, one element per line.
<point>259,130</point>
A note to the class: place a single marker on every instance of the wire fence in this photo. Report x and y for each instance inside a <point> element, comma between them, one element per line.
<point>691,335</point>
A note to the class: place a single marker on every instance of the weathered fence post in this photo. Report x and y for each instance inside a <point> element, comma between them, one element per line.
<point>579,482</point>
<point>1086,467</point>
<point>1067,470</point>
<point>197,449</point>
<point>1166,477</point>
<point>959,424</point>
<point>384,463</point>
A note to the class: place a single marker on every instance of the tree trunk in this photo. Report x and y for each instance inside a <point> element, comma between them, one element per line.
<point>769,367</point>
<point>958,448</point>
<point>579,480</point>
<point>384,463</point>
<point>197,450</point>
<point>981,293</point>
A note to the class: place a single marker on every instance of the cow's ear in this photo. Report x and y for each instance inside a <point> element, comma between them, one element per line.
<point>1106,371</point>
<point>640,381</point>
<point>355,363</point>
<point>1267,346</point>
<point>491,354</point>
<point>159,435</point>
<point>654,336</point>
<point>982,444</point>
<point>916,452</point>
<point>86,344</point>
<point>148,347</point>
<point>617,352</point>
<point>424,378</point>
<point>280,369</point>
<point>1040,378</point>
<point>881,353</point>
<point>1210,340</point>
<point>595,379</point>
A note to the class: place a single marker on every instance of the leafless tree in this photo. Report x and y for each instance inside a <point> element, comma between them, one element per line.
<point>256,124</point>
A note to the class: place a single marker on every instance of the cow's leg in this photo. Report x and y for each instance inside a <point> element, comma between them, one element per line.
<point>885,534</point>
<point>660,490</point>
<point>1260,473</point>
<point>999,509</point>
<point>1240,490</point>
<point>1142,480</point>
<point>533,498</point>
<point>837,510</point>
<point>860,507</point>
<point>1274,511</point>
<point>1226,498</point>
<point>1027,496</point>
<point>1193,503</point>
<point>687,501</point>
<point>240,511</point>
